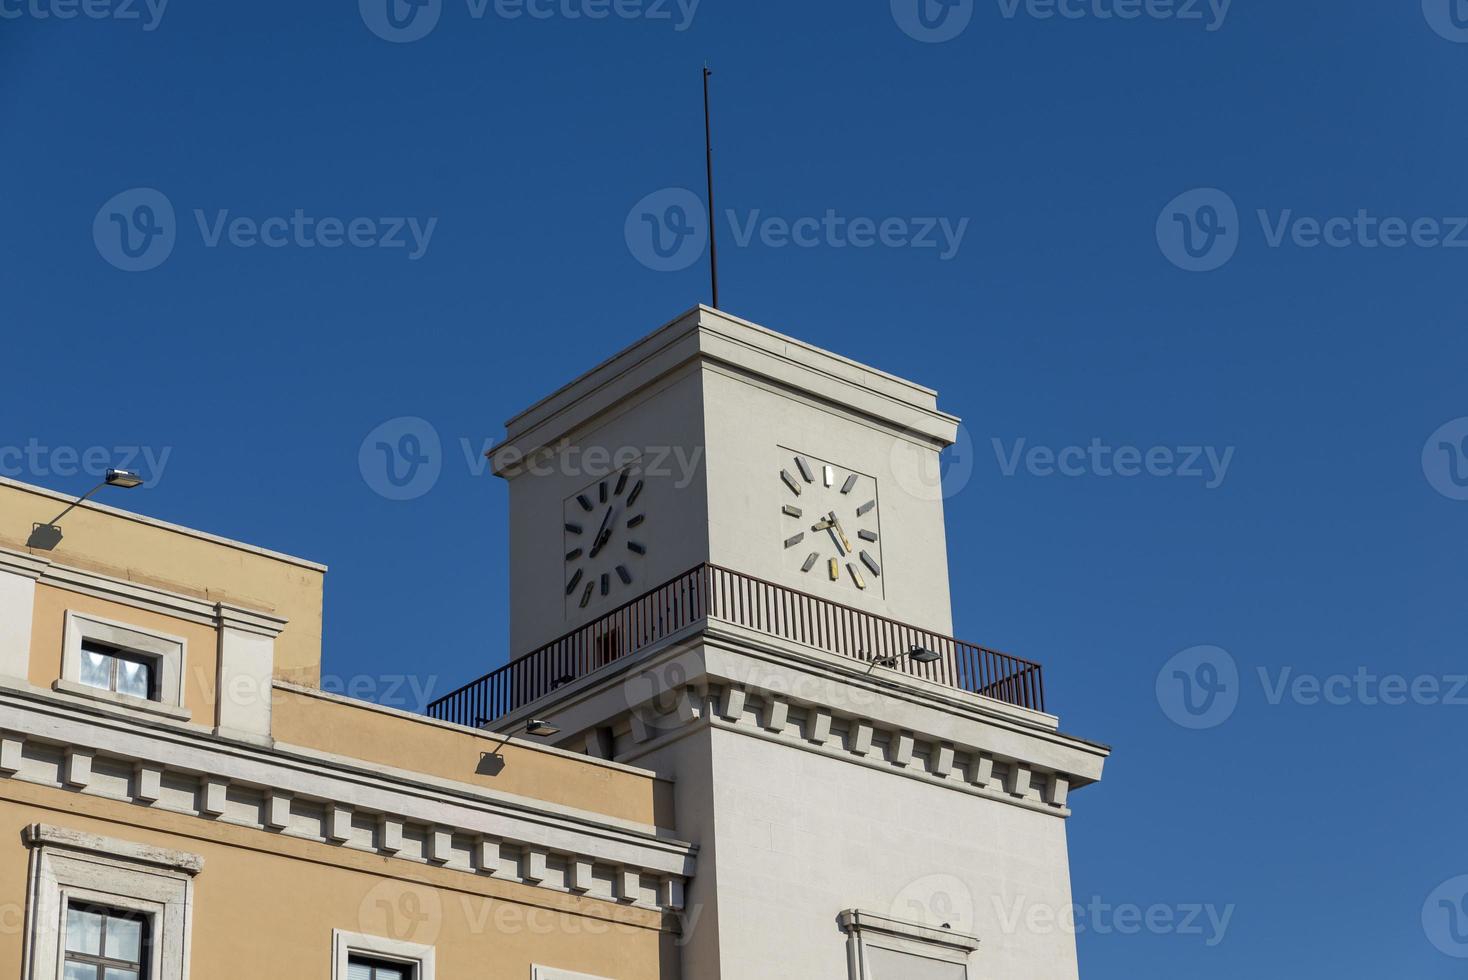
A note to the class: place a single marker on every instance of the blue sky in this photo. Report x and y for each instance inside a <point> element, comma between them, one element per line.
<point>1092,162</point>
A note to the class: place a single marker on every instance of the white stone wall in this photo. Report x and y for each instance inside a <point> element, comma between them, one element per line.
<point>663,422</point>
<point>747,424</point>
<point>801,837</point>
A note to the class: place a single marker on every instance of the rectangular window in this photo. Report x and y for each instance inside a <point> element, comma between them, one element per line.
<point>362,968</point>
<point>355,956</point>
<point>105,943</point>
<point>122,665</point>
<point>105,909</point>
<point>110,668</point>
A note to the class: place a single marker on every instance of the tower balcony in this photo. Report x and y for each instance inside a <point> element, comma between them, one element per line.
<point>709,592</point>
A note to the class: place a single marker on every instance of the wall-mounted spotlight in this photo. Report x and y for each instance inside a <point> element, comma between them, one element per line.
<point>44,537</point>
<point>917,654</point>
<point>541,729</point>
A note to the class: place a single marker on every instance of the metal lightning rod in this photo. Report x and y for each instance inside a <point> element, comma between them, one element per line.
<point>708,140</point>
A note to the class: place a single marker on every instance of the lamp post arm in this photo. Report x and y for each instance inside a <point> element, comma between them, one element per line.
<point>72,506</point>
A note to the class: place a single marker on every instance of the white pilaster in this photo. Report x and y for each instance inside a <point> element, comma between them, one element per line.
<point>246,665</point>
<point>18,574</point>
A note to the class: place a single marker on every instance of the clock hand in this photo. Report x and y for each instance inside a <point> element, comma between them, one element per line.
<point>603,534</point>
<point>837,525</point>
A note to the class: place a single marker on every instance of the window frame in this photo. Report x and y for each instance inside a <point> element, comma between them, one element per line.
<point>167,654</point>
<point>100,961</point>
<point>345,945</point>
<point>119,655</point>
<point>72,868</point>
<point>869,930</point>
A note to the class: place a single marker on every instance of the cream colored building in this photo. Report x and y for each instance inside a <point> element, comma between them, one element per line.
<point>735,740</point>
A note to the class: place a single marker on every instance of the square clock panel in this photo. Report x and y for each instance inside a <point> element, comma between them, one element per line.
<point>830,524</point>
<point>605,540</point>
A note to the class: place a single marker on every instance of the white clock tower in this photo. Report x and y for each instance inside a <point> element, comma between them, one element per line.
<point>728,565</point>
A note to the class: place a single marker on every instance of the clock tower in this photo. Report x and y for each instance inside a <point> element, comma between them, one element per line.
<point>717,440</point>
<point>729,566</point>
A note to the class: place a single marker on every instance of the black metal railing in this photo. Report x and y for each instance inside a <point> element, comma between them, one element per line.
<point>711,592</point>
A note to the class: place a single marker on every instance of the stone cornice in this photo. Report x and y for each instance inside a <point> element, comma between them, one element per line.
<point>705,336</point>
<point>165,602</point>
<point>23,563</point>
<point>308,794</point>
<point>44,835</point>
<point>718,653</point>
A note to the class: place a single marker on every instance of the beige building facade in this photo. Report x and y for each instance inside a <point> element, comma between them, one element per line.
<point>735,739</point>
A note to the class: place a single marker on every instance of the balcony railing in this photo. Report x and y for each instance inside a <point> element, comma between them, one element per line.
<point>711,592</point>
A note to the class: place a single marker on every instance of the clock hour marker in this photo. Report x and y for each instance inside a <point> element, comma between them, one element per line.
<point>574,580</point>
<point>830,475</point>
<point>794,540</point>
<point>586,594</point>
<point>624,575</point>
<point>855,576</point>
<point>805,469</point>
<point>811,561</point>
<point>573,555</point>
<point>790,482</point>
<point>850,482</point>
<point>602,491</point>
<point>867,535</point>
<point>636,490</point>
<point>634,521</point>
<point>871,563</point>
<point>862,510</point>
<point>833,567</point>
<point>606,583</point>
<point>636,548</point>
<point>621,483</point>
<point>791,511</point>
<point>574,528</point>
<point>584,501</point>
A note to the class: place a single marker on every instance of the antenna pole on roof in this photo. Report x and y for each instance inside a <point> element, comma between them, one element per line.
<point>708,140</point>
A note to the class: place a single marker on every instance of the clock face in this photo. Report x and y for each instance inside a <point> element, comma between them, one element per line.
<point>829,523</point>
<point>605,540</point>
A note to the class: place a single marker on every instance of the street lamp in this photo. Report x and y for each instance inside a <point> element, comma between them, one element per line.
<point>44,537</point>
<point>917,654</point>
